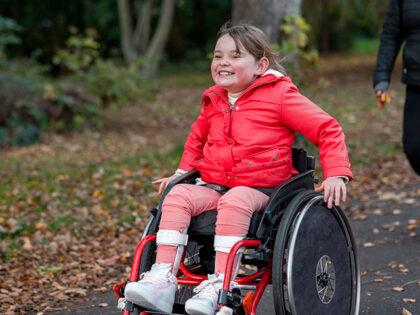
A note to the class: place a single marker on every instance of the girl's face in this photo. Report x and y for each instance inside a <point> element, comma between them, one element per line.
<point>235,71</point>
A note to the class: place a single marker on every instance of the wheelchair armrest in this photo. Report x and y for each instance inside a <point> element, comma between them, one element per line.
<point>187,178</point>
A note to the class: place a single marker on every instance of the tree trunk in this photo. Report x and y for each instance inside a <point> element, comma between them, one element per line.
<point>141,35</point>
<point>139,44</point>
<point>155,50</point>
<point>293,7</point>
<point>325,33</point>
<point>265,14</point>
<point>126,30</point>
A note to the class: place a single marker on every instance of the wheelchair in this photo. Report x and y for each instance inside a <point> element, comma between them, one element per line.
<point>306,251</point>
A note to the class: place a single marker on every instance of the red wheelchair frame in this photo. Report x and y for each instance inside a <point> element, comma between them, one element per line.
<point>250,302</point>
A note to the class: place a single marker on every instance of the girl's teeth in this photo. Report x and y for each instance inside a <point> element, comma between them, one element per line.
<point>225,73</point>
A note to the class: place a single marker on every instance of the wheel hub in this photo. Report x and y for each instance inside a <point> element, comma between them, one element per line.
<point>325,279</point>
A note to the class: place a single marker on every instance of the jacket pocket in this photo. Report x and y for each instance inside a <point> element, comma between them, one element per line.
<point>262,157</point>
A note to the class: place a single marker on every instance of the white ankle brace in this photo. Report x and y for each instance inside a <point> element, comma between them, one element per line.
<point>173,238</point>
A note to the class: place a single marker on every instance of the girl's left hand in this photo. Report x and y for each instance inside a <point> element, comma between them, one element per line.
<point>334,188</point>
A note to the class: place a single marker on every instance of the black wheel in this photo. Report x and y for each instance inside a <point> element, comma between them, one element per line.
<point>315,263</point>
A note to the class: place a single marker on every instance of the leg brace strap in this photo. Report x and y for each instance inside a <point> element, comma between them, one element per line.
<point>224,243</point>
<point>171,237</point>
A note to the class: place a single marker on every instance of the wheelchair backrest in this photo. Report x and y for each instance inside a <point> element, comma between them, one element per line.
<point>301,161</point>
<point>282,195</point>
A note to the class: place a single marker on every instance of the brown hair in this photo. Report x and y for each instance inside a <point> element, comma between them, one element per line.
<point>254,41</point>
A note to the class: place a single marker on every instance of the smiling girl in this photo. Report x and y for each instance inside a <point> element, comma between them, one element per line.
<point>241,145</point>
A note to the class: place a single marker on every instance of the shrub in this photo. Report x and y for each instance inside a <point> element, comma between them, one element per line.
<point>114,83</point>
<point>8,28</point>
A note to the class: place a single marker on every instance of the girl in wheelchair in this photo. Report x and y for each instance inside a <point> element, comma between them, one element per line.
<point>241,145</point>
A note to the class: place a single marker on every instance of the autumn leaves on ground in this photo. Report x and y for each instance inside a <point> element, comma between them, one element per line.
<point>73,207</point>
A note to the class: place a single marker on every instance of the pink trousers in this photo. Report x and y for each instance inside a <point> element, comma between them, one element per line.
<point>234,212</point>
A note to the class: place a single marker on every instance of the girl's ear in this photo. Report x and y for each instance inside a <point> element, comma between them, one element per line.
<point>262,66</point>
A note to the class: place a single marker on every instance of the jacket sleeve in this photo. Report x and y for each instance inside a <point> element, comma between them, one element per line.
<point>193,149</point>
<point>303,116</point>
<point>392,37</point>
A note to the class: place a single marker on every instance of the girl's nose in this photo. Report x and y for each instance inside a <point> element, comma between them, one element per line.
<point>224,61</point>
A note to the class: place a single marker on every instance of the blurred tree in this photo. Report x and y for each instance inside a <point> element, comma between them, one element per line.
<point>265,14</point>
<point>138,43</point>
<point>336,23</point>
<point>268,15</point>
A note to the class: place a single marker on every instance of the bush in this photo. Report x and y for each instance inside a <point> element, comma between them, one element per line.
<point>80,53</point>
<point>33,102</point>
<point>114,83</point>
<point>8,28</point>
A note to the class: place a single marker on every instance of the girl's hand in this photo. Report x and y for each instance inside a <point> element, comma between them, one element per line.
<point>333,188</point>
<point>164,182</point>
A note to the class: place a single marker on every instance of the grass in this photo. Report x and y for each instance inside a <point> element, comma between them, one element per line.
<point>365,45</point>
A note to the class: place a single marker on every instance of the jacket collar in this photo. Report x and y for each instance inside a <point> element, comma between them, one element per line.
<point>269,76</point>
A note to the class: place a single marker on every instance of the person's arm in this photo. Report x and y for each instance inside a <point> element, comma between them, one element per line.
<point>392,37</point>
<point>303,116</point>
<point>193,150</point>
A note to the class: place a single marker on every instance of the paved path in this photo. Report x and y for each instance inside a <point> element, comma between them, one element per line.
<point>389,258</point>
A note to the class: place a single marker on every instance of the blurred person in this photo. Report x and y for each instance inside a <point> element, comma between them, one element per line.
<point>402,24</point>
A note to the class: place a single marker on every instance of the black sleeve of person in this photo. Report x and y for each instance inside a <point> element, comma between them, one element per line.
<point>392,37</point>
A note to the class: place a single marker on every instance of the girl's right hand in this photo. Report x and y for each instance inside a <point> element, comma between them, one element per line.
<point>164,182</point>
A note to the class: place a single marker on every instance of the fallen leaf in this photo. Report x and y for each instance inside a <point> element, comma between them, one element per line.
<point>407,300</point>
<point>411,226</point>
<point>98,194</point>
<point>111,261</point>
<point>392,264</point>
<point>379,280</point>
<point>398,289</point>
<point>405,312</point>
<point>27,243</point>
<point>368,244</point>
<point>147,170</point>
<point>126,172</point>
<point>103,305</point>
<point>41,225</point>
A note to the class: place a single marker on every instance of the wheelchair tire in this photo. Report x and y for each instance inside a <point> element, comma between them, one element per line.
<point>315,262</point>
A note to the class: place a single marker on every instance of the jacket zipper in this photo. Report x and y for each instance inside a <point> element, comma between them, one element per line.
<point>243,93</point>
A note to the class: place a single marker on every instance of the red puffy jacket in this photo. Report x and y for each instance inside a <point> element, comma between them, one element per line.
<point>250,145</point>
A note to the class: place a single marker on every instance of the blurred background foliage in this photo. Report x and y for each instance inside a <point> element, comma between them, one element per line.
<point>61,62</point>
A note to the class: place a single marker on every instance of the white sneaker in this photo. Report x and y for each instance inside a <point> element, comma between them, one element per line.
<point>155,290</point>
<point>205,301</point>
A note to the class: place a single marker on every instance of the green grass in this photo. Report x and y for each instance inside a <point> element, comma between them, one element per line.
<point>365,45</point>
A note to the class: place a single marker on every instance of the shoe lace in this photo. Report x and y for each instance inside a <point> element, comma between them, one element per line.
<point>152,278</point>
<point>121,303</point>
<point>208,288</point>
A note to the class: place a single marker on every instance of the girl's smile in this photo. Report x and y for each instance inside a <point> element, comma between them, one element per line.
<point>235,70</point>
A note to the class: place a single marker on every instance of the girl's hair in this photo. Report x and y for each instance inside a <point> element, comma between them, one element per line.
<point>254,41</point>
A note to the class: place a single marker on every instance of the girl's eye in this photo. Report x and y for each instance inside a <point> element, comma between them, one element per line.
<point>217,57</point>
<point>237,56</point>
